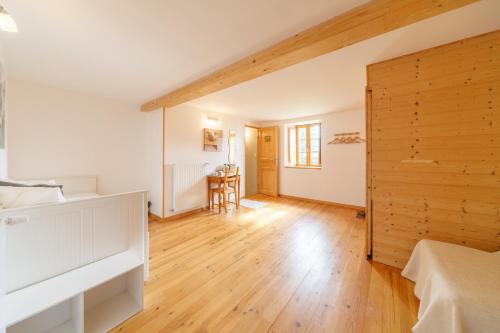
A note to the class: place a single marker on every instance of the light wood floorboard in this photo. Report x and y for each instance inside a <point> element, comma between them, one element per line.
<point>292,266</point>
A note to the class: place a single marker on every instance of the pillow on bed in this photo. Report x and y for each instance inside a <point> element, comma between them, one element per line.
<point>16,196</point>
<point>31,183</point>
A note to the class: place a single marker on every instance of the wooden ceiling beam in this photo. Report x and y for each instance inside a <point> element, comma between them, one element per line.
<point>361,23</point>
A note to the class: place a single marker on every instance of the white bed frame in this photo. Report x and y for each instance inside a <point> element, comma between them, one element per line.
<point>77,266</point>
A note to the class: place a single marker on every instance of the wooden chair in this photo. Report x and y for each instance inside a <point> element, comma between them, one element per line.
<point>224,189</point>
<point>220,189</point>
<point>233,187</point>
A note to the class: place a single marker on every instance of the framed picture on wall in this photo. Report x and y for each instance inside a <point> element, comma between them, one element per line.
<point>212,139</point>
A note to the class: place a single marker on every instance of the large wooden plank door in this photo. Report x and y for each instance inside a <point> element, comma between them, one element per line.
<point>268,151</point>
<point>435,148</point>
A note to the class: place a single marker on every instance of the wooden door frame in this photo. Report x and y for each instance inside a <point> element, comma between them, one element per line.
<point>368,218</point>
<point>163,176</point>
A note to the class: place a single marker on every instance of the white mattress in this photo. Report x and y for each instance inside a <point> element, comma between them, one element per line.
<point>457,287</point>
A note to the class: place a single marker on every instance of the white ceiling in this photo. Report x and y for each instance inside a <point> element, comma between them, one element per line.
<point>336,81</point>
<point>137,50</point>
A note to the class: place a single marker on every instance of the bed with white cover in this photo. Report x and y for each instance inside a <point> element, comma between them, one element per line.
<point>458,288</point>
<point>23,193</point>
<point>73,265</point>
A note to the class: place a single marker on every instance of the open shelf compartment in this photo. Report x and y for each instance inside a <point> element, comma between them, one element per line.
<point>114,301</point>
<point>65,317</point>
<point>107,292</point>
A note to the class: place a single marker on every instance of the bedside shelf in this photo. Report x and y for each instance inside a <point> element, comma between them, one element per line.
<point>61,300</point>
<point>109,304</point>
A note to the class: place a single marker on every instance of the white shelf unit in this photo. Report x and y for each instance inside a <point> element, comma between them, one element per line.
<point>93,298</point>
<point>82,272</point>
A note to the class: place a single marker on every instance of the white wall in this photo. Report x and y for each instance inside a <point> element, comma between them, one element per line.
<point>155,161</point>
<point>342,176</point>
<point>53,132</point>
<point>184,145</point>
<point>3,152</point>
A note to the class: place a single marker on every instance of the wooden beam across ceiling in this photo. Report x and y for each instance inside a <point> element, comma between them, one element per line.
<point>361,23</point>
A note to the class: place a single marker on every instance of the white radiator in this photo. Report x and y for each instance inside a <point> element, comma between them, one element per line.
<point>187,186</point>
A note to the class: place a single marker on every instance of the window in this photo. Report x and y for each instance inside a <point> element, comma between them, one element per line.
<point>304,145</point>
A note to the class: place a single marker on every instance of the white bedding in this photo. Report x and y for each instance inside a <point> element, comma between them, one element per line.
<point>458,288</point>
<point>13,197</point>
<point>74,188</point>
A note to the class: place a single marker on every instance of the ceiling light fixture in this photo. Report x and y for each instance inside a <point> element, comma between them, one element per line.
<point>6,21</point>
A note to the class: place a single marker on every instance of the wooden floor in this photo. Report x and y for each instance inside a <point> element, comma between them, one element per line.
<point>292,266</point>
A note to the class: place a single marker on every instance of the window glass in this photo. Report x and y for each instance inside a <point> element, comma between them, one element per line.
<point>304,145</point>
<point>302,159</point>
<point>314,145</point>
<point>315,158</point>
<point>315,131</point>
<point>302,133</point>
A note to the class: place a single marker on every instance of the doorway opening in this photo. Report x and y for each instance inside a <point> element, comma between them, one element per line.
<point>251,162</point>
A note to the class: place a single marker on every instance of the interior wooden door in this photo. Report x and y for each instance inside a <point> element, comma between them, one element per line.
<point>268,150</point>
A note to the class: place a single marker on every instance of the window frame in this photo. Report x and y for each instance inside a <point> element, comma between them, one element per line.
<point>308,164</point>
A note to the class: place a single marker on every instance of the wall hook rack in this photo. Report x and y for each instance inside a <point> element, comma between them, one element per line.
<point>347,138</point>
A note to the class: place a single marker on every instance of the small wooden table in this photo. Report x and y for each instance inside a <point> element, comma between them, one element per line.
<point>219,180</point>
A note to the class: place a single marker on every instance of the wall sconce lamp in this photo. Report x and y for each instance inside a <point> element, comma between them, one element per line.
<point>6,21</point>
<point>212,122</point>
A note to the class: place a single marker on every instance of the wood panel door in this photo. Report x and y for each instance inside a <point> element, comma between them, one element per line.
<point>434,149</point>
<point>268,151</point>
